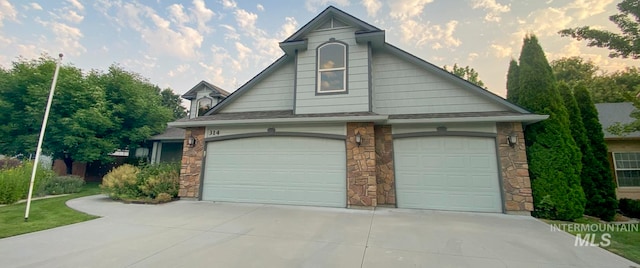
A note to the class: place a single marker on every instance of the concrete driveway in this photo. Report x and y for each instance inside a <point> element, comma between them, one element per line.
<point>204,234</point>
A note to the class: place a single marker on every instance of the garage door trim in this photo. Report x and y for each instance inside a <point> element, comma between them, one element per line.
<point>442,132</point>
<point>270,133</point>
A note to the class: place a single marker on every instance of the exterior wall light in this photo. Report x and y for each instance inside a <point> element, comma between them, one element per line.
<point>358,138</point>
<point>192,141</point>
<point>512,139</point>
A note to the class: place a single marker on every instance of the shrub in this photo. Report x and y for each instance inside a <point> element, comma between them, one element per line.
<point>163,197</point>
<point>158,179</point>
<point>630,207</point>
<point>121,182</point>
<point>14,182</point>
<point>63,185</point>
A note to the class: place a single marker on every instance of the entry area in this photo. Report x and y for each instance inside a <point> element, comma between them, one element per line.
<point>447,173</point>
<point>276,170</point>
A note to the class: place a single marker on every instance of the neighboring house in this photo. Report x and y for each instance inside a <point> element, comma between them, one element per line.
<point>624,151</point>
<point>345,119</point>
<point>168,146</point>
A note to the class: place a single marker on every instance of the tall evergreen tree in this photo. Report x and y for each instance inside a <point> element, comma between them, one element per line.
<point>554,158</point>
<point>513,81</point>
<point>579,133</point>
<point>604,203</point>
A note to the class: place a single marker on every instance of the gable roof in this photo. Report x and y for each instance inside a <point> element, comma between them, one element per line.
<point>330,12</point>
<point>612,113</point>
<point>367,33</point>
<point>170,133</point>
<point>191,94</point>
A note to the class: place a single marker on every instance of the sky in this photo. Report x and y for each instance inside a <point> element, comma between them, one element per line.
<point>177,44</point>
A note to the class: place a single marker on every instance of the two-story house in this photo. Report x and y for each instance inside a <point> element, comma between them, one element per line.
<point>345,119</point>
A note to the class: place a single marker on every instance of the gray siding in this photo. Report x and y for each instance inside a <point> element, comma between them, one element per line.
<point>400,87</point>
<point>273,93</point>
<point>357,99</point>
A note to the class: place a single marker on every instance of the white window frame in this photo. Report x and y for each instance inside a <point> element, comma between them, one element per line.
<point>616,168</point>
<point>320,70</point>
<point>198,105</point>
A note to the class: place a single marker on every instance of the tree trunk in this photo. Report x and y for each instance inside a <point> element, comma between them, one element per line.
<point>69,163</point>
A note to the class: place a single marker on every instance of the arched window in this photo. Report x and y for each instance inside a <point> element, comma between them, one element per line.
<point>332,68</point>
<point>204,105</point>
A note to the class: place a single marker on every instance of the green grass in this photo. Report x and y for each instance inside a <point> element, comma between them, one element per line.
<point>625,244</point>
<point>44,214</point>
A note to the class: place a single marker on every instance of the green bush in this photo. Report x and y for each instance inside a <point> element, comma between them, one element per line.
<point>14,182</point>
<point>159,182</point>
<point>63,185</point>
<point>158,179</point>
<point>630,207</point>
<point>121,182</point>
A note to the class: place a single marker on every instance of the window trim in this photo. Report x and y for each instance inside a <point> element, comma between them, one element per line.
<point>345,69</point>
<point>616,169</point>
<point>198,105</point>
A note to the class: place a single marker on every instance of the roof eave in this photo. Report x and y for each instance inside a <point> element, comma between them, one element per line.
<point>527,119</point>
<point>295,120</point>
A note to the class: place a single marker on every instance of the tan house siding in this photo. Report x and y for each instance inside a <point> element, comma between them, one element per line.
<point>192,164</point>
<point>515,170</point>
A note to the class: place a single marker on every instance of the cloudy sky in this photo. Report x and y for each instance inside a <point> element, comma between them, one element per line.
<point>176,44</point>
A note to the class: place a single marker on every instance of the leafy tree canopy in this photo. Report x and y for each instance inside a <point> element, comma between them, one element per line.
<point>466,73</point>
<point>624,44</point>
<point>91,116</point>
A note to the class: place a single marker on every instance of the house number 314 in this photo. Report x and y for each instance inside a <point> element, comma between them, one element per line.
<point>214,132</point>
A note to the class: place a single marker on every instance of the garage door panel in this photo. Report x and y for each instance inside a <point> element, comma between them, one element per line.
<point>276,170</point>
<point>447,173</point>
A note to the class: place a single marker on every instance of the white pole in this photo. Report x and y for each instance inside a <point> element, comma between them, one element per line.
<point>41,138</point>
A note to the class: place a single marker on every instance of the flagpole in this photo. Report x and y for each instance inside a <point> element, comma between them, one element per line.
<point>41,138</point>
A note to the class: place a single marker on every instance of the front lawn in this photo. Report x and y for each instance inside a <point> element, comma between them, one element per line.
<point>624,242</point>
<point>44,214</point>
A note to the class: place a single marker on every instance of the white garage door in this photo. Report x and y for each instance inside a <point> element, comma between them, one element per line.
<point>276,170</point>
<point>447,173</point>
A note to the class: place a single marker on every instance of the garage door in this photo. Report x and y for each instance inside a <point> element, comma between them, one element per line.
<point>447,173</point>
<point>276,170</point>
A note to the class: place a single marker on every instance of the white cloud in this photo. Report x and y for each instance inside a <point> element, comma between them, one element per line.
<point>7,11</point>
<point>501,51</point>
<point>493,9</point>
<point>406,9</point>
<point>472,56</point>
<point>313,5</point>
<point>182,68</point>
<point>260,7</point>
<point>372,7</point>
<point>231,33</point>
<point>247,21</point>
<point>288,28</point>
<point>438,36</point>
<point>67,38</point>
<point>583,9</point>
<point>179,41</point>
<point>76,4</point>
<point>35,6</point>
<point>73,16</point>
<point>177,14</point>
<point>202,15</point>
<point>229,4</point>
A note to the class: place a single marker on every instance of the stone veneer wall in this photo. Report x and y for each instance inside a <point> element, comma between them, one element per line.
<point>361,166</point>
<point>515,170</point>
<point>191,164</point>
<point>385,176</point>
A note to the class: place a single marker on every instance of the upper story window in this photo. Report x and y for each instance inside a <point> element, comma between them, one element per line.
<point>203,105</point>
<point>332,68</point>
